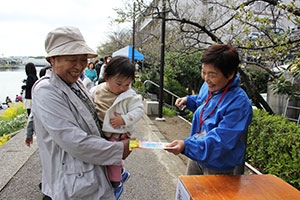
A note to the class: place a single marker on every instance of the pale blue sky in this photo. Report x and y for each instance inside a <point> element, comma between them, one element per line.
<point>24,24</point>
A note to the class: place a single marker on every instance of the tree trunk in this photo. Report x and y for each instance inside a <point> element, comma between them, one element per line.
<point>256,98</point>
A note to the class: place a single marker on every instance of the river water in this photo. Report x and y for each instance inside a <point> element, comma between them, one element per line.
<point>11,81</point>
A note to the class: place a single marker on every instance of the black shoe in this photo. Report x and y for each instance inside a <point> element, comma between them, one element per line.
<point>46,197</point>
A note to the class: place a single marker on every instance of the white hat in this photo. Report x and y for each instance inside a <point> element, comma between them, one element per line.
<point>67,40</point>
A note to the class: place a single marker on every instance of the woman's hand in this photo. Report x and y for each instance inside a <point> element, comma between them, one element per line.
<point>181,102</point>
<point>28,141</point>
<point>126,151</point>
<point>176,147</point>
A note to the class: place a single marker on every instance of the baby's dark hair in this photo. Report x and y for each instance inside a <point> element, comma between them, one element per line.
<point>120,66</point>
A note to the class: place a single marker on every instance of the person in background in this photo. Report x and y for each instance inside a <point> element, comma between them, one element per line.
<point>43,71</point>
<point>98,64</point>
<point>73,151</point>
<point>96,61</point>
<point>8,101</point>
<point>31,79</point>
<point>19,98</point>
<point>118,108</point>
<point>222,113</point>
<point>22,94</point>
<point>101,76</point>
<point>29,130</point>
<point>91,73</point>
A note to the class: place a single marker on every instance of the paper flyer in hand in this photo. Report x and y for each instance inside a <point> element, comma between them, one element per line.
<point>133,144</point>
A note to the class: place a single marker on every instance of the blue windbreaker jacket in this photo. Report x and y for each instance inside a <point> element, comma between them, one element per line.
<point>220,147</point>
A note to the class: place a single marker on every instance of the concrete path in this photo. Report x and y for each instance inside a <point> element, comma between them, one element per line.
<point>154,173</point>
<point>13,155</point>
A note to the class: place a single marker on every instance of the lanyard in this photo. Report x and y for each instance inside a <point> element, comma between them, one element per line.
<point>208,98</point>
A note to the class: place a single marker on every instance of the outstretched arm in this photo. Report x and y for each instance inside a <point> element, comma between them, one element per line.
<point>29,131</point>
<point>177,146</point>
<point>181,102</point>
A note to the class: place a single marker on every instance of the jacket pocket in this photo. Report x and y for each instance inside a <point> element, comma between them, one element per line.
<point>80,183</point>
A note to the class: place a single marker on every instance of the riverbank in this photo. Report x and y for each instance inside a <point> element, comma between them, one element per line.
<point>11,81</point>
<point>4,107</point>
<point>5,67</point>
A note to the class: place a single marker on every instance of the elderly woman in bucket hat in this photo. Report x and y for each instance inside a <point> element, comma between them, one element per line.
<point>73,153</point>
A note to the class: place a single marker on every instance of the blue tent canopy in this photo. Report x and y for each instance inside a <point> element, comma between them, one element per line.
<point>127,51</point>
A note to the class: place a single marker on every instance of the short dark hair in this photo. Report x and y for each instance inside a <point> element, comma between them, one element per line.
<point>223,56</point>
<point>105,58</point>
<point>121,66</point>
<point>91,63</point>
<point>96,61</point>
<point>43,71</point>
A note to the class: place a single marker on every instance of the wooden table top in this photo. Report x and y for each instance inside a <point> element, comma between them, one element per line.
<point>260,187</point>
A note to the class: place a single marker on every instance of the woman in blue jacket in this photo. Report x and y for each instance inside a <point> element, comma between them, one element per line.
<point>222,113</point>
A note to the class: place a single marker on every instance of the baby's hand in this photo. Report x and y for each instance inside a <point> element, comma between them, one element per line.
<point>116,121</point>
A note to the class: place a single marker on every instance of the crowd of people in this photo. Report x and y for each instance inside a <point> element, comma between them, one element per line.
<point>6,104</point>
<point>25,94</point>
<point>94,72</point>
<point>84,112</point>
<point>8,101</point>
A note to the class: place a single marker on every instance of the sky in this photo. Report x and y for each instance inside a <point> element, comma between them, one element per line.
<point>24,24</point>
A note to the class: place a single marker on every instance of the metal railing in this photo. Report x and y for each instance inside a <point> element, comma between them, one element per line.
<point>172,94</point>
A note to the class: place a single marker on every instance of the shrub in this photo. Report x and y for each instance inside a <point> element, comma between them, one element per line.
<point>151,74</point>
<point>4,139</point>
<point>189,116</point>
<point>259,77</point>
<point>186,70</point>
<point>173,85</point>
<point>168,111</point>
<point>273,146</point>
<point>13,118</point>
<point>13,111</point>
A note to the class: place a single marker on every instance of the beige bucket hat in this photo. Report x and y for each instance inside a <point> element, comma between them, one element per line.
<point>67,40</point>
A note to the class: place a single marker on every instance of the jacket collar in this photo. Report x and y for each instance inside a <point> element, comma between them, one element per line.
<point>57,82</point>
<point>62,85</point>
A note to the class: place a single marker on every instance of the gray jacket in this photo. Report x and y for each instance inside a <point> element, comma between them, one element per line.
<point>73,155</point>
